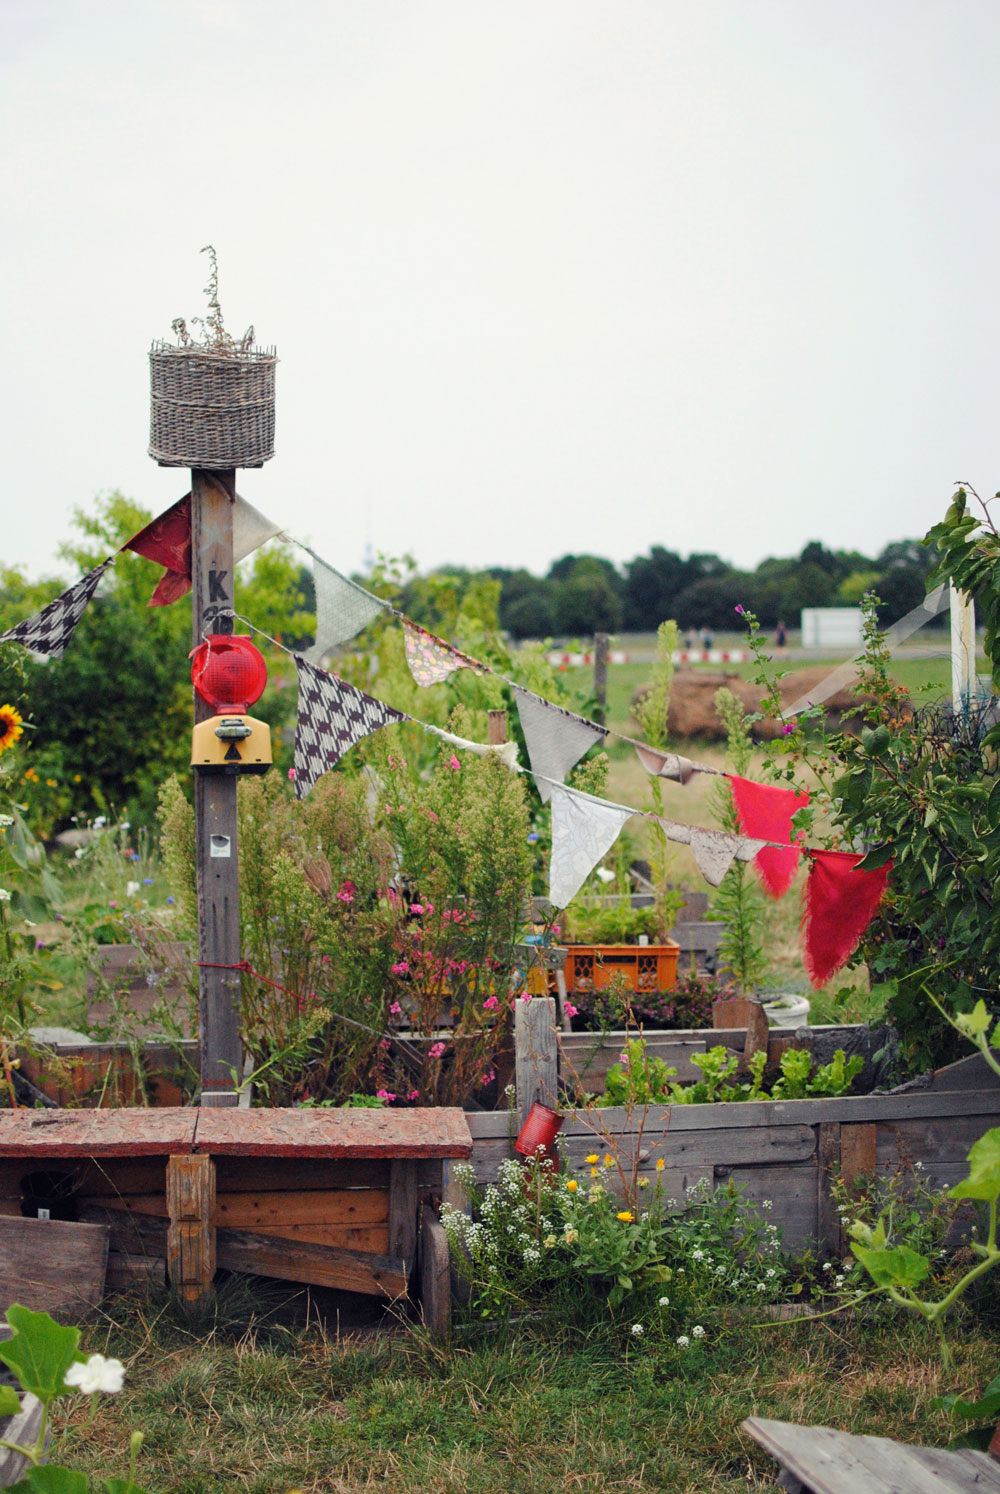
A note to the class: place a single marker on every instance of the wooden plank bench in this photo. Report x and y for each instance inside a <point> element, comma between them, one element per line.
<point>819,1460</point>
<point>327,1197</point>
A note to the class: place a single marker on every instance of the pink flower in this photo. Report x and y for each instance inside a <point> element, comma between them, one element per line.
<point>414,1094</point>
<point>436,1050</point>
<point>453,762</point>
<point>385,1045</point>
<point>525,996</point>
<point>346,893</point>
<point>402,968</point>
<point>491,1003</point>
<point>385,1094</point>
<point>488,1078</point>
<point>432,816</point>
<point>570,1009</point>
<point>416,907</point>
<point>395,1008</point>
<point>291,774</point>
<point>739,609</point>
<point>787,729</point>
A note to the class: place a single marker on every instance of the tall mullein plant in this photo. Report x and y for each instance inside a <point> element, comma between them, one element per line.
<point>739,899</point>
<point>651,713</point>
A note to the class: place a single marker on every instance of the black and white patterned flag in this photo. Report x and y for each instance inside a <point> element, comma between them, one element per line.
<point>333,716</point>
<point>49,631</point>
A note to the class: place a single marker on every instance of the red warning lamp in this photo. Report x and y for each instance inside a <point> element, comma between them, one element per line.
<point>228,671</point>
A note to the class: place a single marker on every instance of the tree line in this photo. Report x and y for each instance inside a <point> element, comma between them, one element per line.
<point>583,594</point>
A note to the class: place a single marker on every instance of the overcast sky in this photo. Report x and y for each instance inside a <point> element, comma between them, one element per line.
<point>543,275</point>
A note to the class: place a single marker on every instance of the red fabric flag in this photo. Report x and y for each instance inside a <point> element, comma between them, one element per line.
<point>765,813</point>
<point>167,540</point>
<point>839,904</point>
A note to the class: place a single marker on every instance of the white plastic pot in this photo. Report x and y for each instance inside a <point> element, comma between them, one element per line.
<point>787,1010</point>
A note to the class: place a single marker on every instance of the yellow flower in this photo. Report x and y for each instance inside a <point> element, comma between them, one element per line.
<point>626,1216</point>
<point>572,1184</point>
<point>593,1172</point>
<point>660,1164</point>
<point>609,1161</point>
<point>11,727</point>
<point>591,1160</point>
<point>643,1182</point>
<point>50,783</point>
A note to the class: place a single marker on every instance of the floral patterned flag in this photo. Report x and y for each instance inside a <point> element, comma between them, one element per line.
<point>839,904</point>
<point>167,541</point>
<point>48,633</point>
<point>766,811</point>
<point>431,660</point>
<point>342,609</point>
<point>583,830</point>
<point>332,717</point>
<point>556,739</point>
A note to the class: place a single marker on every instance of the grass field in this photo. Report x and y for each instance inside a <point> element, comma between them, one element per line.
<point>252,1406</point>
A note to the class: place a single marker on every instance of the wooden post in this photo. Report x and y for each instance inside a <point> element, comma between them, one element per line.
<point>601,676</point>
<point>191,1234</point>
<point>213,495</point>
<point>536,1054</point>
<point>496,728</point>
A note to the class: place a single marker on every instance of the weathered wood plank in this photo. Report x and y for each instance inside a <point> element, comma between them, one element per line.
<point>96,1133</point>
<point>126,1271</point>
<point>439,1132</point>
<point>269,1211</point>
<point>23,1429</point>
<point>831,1462</point>
<point>785,1193</point>
<point>699,1149</point>
<point>190,1199</point>
<point>941,1138</point>
<point>402,1209</point>
<point>828,1232</point>
<point>536,1054</point>
<point>851,1109</point>
<point>858,1151</point>
<point>435,1275</point>
<point>129,1233</point>
<point>319,1265</point>
<point>235,1174</point>
<point>51,1265</point>
<point>588,1060</point>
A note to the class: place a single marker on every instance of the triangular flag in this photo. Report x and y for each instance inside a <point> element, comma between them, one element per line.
<point>556,739</point>
<point>505,751</point>
<point>583,830</point>
<point>839,904</point>
<point>714,850</point>
<point>664,764</point>
<point>49,631</point>
<point>342,609</point>
<point>431,660</point>
<point>765,811</point>
<point>332,717</point>
<point>167,541</point>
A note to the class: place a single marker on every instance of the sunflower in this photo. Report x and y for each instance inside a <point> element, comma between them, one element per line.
<point>11,726</point>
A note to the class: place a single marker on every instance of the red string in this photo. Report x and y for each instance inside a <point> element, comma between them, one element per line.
<point>245,968</point>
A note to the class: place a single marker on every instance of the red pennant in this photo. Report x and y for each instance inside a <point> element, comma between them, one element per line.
<point>765,813</point>
<point>839,904</point>
<point>167,541</point>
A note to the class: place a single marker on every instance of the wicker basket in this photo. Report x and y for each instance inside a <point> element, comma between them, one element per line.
<point>210,409</point>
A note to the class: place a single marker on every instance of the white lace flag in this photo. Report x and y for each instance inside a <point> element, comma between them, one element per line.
<point>505,751</point>
<point>556,739</point>
<point>583,830</point>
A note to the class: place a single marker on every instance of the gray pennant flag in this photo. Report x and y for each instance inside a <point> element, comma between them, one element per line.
<point>342,609</point>
<point>714,851</point>
<point>556,739</point>
<point>332,717</point>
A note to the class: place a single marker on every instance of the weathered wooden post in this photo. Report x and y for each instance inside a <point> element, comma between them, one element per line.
<point>963,652</point>
<point>601,676</point>
<point>212,410</point>
<point>213,495</point>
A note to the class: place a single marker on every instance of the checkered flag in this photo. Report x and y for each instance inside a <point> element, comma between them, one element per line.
<point>48,633</point>
<point>333,716</point>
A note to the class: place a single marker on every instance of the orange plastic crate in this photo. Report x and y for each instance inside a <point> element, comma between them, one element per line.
<point>646,967</point>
